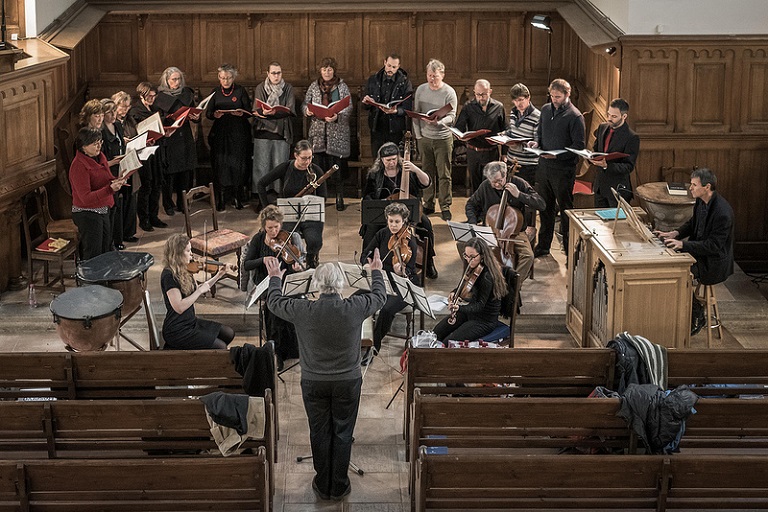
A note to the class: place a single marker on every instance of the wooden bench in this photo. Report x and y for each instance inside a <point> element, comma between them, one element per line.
<point>233,484</point>
<point>463,481</point>
<point>96,429</point>
<point>119,375</point>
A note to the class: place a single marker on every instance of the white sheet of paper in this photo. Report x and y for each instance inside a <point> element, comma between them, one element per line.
<point>147,152</point>
<point>137,143</point>
<point>153,123</point>
<point>129,162</point>
<point>257,292</point>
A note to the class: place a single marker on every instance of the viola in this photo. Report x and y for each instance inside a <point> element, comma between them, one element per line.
<point>399,246</point>
<point>505,221</point>
<point>286,250</point>
<point>464,290</point>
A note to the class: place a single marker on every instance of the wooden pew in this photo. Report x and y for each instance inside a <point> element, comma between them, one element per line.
<point>465,481</point>
<point>706,368</point>
<point>181,484</point>
<point>96,429</point>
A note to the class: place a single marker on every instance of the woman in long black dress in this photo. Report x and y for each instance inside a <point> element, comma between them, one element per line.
<point>260,250</point>
<point>480,314</point>
<point>179,148</point>
<point>182,329</point>
<point>230,138</point>
<point>114,146</point>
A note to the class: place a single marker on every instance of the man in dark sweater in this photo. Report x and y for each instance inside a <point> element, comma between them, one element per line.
<point>519,195</point>
<point>389,84</point>
<point>329,330</point>
<point>561,126</point>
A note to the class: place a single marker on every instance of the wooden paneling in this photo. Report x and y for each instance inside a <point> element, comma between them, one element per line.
<point>118,56</point>
<point>754,108</point>
<point>167,44</point>
<point>338,37</point>
<point>385,34</point>
<point>283,39</point>
<point>446,38</point>
<point>226,40</point>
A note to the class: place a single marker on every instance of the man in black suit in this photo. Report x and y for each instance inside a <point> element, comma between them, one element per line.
<point>614,136</point>
<point>710,237</point>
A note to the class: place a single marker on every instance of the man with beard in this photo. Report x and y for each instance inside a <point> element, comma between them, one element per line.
<point>389,84</point>
<point>483,112</point>
<point>614,136</point>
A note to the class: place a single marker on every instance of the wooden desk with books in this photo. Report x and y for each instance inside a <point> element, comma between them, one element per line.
<point>625,281</point>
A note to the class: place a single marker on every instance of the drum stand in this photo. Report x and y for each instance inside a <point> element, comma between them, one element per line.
<point>126,318</point>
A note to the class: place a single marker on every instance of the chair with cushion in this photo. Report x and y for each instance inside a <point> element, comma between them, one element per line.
<point>213,243</point>
<point>36,235</point>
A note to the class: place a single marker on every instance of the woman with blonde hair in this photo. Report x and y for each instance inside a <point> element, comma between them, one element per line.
<point>182,329</point>
<point>91,115</point>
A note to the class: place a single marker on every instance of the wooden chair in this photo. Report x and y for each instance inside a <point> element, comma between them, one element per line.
<point>214,243</point>
<point>36,232</point>
<point>711,310</point>
<point>583,196</point>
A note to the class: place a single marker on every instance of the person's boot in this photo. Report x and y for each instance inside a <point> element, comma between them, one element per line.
<point>220,206</point>
<point>431,269</point>
<point>340,202</point>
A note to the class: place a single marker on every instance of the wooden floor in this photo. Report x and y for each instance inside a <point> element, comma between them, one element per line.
<point>378,449</point>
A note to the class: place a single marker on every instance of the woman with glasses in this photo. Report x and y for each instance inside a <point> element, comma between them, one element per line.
<point>293,176</point>
<point>481,291</point>
<point>230,138</point>
<point>114,149</point>
<point>151,173</point>
<point>93,189</point>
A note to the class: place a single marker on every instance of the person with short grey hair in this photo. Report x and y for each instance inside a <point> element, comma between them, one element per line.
<point>328,330</point>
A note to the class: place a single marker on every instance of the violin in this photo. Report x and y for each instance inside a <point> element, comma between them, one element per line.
<point>505,221</point>
<point>399,246</point>
<point>209,266</point>
<point>286,250</point>
<point>464,290</point>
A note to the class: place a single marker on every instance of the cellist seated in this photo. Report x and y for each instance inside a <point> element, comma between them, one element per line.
<point>519,196</point>
<point>397,245</point>
<point>384,181</point>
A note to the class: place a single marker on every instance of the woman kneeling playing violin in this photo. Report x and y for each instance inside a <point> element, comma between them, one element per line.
<point>398,244</point>
<point>482,287</point>
<point>182,329</point>
<point>272,242</point>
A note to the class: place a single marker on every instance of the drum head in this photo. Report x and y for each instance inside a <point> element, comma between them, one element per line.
<point>87,302</point>
<point>114,266</point>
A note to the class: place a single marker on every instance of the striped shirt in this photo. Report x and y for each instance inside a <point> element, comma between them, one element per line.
<point>523,126</point>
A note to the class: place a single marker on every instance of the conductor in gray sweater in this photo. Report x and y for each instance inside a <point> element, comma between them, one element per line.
<point>328,330</point>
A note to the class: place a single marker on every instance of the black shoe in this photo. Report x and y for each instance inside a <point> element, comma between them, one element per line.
<point>428,211</point>
<point>158,223</point>
<point>539,252</point>
<point>340,204</point>
<point>119,247</point>
<point>131,239</point>
<point>319,494</point>
<point>431,270</point>
<point>170,212</point>
<point>343,495</point>
<point>445,214</point>
<point>220,207</point>
<point>237,204</point>
<point>697,325</point>
<point>280,363</point>
<point>146,226</point>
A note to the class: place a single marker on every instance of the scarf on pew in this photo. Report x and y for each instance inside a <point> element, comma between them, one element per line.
<point>654,356</point>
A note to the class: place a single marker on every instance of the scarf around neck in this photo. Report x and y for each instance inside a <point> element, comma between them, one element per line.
<point>274,92</point>
<point>326,88</point>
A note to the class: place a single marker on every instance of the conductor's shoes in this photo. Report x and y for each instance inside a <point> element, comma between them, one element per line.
<point>431,270</point>
<point>319,494</point>
<point>343,495</point>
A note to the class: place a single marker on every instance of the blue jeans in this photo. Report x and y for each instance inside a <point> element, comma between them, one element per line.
<point>267,154</point>
<point>332,412</point>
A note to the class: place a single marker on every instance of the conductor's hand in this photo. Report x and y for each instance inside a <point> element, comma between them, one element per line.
<point>273,267</point>
<point>375,262</point>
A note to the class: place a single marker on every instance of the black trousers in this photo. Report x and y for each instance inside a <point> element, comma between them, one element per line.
<point>385,318</point>
<point>95,231</point>
<point>555,185</point>
<point>177,182</point>
<point>463,329</point>
<point>476,161</point>
<point>148,197</point>
<point>331,408</point>
<point>325,162</point>
<point>312,233</point>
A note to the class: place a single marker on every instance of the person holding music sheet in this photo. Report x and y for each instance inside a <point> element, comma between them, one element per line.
<point>294,175</point>
<point>272,130</point>
<point>389,84</point>
<point>151,173</point>
<point>482,287</point>
<point>329,330</point>
<point>182,329</point>
<point>260,250</point>
<point>434,138</point>
<point>93,191</point>
<point>614,135</point>
<point>330,137</point>
<point>561,126</point>
<point>113,145</point>
<point>128,193</point>
<point>229,138</point>
<point>397,220</point>
<point>383,181</point>
<point>481,113</point>
<point>520,195</point>
<point>179,149</point>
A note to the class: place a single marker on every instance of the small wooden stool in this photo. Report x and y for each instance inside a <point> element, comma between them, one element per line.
<point>712,311</point>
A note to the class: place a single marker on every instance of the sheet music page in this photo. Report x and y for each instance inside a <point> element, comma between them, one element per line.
<point>137,143</point>
<point>204,103</point>
<point>152,123</point>
<point>300,283</point>
<point>259,290</point>
<point>401,283</point>
<point>129,162</point>
<point>147,152</point>
<point>354,276</point>
<point>312,207</point>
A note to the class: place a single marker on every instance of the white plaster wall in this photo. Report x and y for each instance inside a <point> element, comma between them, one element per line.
<point>687,17</point>
<point>45,12</point>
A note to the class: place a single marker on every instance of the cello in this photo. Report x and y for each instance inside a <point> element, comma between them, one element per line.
<point>505,221</point>
<point>405,176</point>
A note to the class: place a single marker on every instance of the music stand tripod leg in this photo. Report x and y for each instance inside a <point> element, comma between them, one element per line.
<point>398,390</point>
<point>354,467</point>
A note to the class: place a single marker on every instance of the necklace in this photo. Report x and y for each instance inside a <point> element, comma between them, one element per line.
<point>230,92</point>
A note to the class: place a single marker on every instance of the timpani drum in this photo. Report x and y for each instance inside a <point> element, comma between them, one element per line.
<point>87,318</point>
<point>122,271</point>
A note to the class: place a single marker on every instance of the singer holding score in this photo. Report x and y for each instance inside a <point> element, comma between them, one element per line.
<point>482,287</point>
<point>329,331</point>
<point>393,241</point>
<point>182,329</point>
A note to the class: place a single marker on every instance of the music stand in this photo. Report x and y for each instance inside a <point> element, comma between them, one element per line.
<point>300,283</point>
<point>372,210</point>
<point>359,278</point>
<point>412,294</point>
<point>308,208</point>
<point>462,232</point>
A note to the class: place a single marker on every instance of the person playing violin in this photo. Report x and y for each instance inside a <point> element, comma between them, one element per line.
<point>182,329</point>
<point>260,250</point>
<point>520,195</point>
<point>384,180</point>
<point>293,176</point>
<point>393,242</point>
<point>482,287</point>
